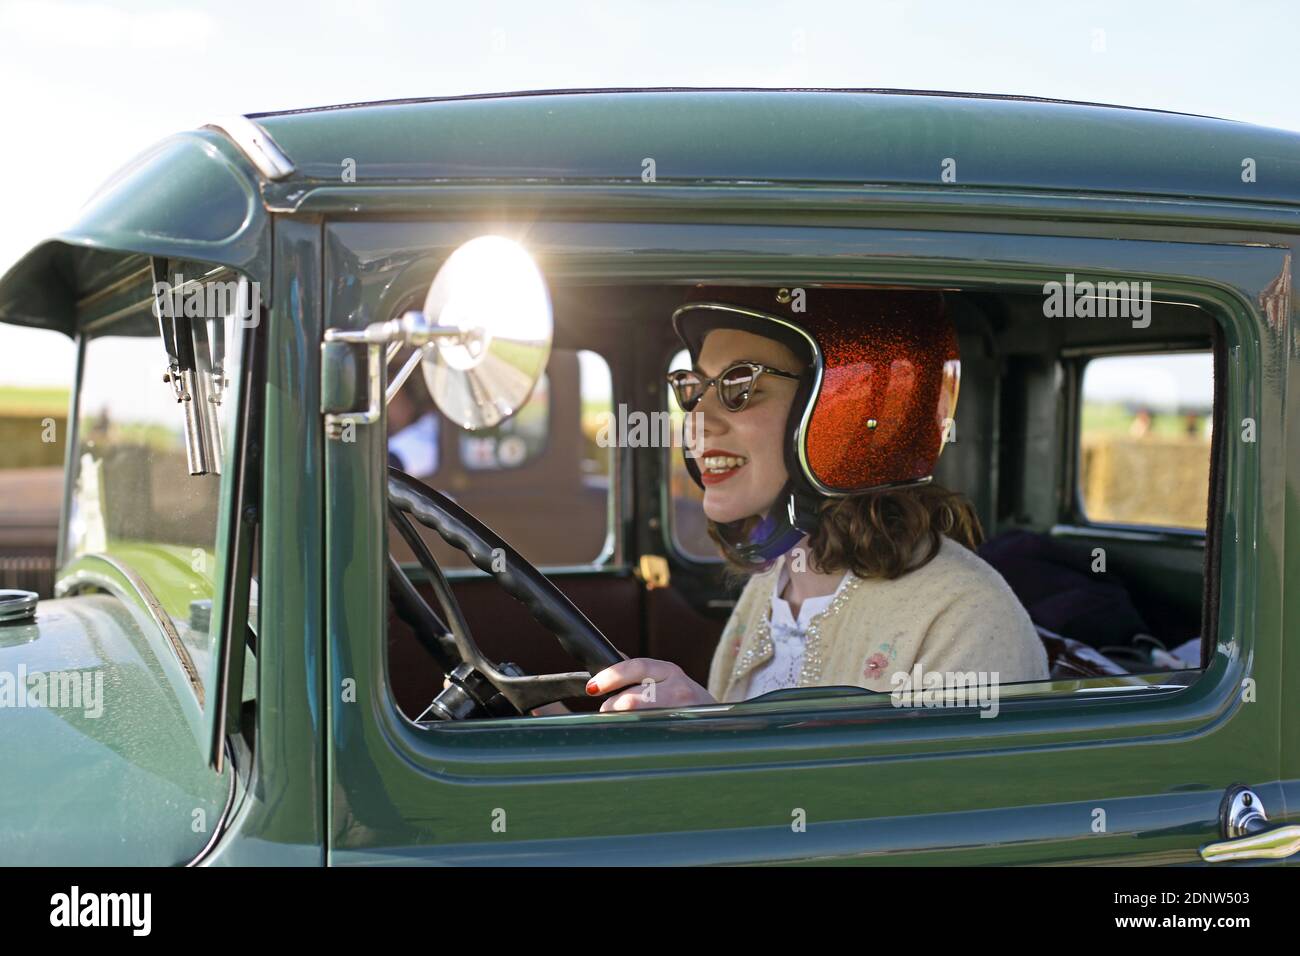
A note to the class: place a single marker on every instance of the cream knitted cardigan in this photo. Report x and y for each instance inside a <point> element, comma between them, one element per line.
<point>953,614</point>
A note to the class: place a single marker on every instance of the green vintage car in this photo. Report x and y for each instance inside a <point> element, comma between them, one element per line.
<point>303,615</point>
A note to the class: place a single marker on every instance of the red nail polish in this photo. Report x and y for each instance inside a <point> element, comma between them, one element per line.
<point>591,687</point>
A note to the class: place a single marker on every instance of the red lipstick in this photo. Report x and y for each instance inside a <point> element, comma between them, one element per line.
<point>714,477</point>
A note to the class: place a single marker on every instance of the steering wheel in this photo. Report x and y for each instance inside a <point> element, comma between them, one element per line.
<point>478,686</point>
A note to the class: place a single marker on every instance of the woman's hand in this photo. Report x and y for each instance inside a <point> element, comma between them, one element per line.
<point>649,683</point>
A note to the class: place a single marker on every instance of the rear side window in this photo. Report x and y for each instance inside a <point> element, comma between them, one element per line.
<point>1144,439</point>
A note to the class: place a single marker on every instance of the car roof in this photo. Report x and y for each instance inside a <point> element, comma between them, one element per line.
<point>609,90</point>
<point>791,136</point>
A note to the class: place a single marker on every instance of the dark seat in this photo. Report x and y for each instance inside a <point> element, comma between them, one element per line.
<point>1069,659</point>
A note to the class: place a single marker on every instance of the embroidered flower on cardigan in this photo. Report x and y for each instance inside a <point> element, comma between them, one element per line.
<point>876,664</point>
<point>878,661</point>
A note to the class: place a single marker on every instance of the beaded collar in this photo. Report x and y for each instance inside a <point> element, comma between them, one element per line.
<point>760,648</point>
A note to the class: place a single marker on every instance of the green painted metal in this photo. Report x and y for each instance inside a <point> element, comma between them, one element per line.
<point>750,186</point>
<point>283,821</point>
<point>185,664</point>
<point>722,136</point>
<point>126,785</point>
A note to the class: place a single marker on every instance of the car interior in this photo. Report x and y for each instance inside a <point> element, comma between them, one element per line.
<point>1086,446</point>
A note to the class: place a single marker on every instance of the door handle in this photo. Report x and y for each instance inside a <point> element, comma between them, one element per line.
<point>1248,835</point>
<point>653,570</point>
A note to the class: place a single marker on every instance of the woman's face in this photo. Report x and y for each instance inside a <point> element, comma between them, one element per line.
<point>742,463</point>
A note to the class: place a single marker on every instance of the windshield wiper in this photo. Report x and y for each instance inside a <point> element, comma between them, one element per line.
<point>197,385</point>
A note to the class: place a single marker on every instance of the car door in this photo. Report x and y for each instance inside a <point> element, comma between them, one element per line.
<point>1083,771</point>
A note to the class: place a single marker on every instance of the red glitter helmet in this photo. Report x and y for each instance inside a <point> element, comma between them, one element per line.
<point>873,406</point>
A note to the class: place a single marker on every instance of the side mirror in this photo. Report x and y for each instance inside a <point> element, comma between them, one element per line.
<point>482,340</point>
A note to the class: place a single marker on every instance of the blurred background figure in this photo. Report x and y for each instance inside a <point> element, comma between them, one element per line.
<point>413,429</point>
<point>1141,426</point>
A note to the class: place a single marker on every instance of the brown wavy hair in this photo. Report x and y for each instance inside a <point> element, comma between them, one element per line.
<point>882,534</point>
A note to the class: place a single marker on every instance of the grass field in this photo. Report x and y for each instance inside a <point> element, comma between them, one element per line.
<point>1117,419</point>
<point>16,400</point>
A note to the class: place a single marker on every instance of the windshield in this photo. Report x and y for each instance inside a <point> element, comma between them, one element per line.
<point>133,498</point>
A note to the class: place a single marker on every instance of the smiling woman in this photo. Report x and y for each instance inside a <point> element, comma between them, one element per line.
<point>821,431</point>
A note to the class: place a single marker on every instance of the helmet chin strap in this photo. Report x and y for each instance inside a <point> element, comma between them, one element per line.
<point>793,515</point>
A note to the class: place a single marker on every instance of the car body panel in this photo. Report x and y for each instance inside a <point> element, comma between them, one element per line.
<point>789,136</point>
<point>128,785</point>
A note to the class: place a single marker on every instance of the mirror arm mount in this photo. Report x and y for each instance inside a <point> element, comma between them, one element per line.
<point>403,373</point>
<point>411,328</point>
<point>339,424</point>
<point>382,341</point>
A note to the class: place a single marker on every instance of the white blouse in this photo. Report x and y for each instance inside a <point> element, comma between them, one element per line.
<point>782,669</point>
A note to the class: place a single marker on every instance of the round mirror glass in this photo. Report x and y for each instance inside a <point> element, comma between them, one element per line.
<point>492,291</point>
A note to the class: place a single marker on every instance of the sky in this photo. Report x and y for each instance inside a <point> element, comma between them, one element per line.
<point>1163,383</point>
<point>86,86</point>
